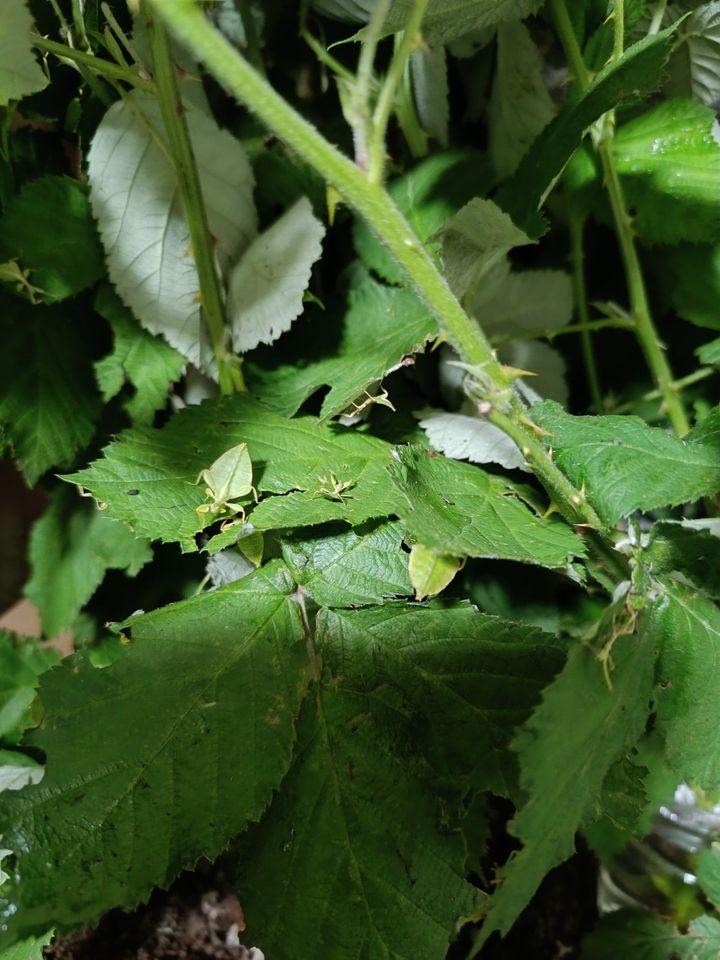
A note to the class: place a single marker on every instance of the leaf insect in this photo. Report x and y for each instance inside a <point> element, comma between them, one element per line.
<point>228,479</point>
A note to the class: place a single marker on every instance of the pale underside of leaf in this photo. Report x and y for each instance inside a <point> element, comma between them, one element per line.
<point>136,201</point>
<point>20,73</point>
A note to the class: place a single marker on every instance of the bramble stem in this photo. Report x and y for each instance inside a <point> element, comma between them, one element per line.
<point>577,253</point>
<point>388,91</point>
<point>373,203</point>
<point>103,68</point>
<point>639,305</point>
<point>183,159</point>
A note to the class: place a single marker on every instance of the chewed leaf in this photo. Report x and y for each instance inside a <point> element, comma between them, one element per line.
<point>135,198</point>
<point>267,285</point>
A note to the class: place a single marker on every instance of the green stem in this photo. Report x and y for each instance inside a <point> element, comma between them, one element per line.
<point>388,91</point>
<point>96,65</point>
<point>639,305</point>
<point>577,253</point>
<point>702,373</point>
<point>386,221</point>
<point>183,158</point>
<point>549,333</point>
<point>362,121</point>
<point>619,17</point>
<point>407,118</point>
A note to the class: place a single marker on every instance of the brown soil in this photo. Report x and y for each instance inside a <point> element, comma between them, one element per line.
<point>183,925</point>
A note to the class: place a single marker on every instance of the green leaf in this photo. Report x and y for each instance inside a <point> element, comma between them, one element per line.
<point>20,73</point>
<point>463,511</point>
<point>686,627</point>
<point>379,328</point>
<point>350,567</point>
<point>520,104</point>
<point>127,805</point>
<point>692,273</point>
<point>690,548</point>
<point>625,465</point>
<point>526,302</point>
<point>428,73</point>
<point>30,949</point>
<point>431,571</point>
<point>563,774</point>
<point>135,199</point>
<point>709,353</point>
<point>461,437</point>
<point>22,661</point>
<point>444,21</point>
<point>672,182</point>
<point>72,546</point>
<point>643,936</point>
<point>468,680</point>
<point>147,477</point>
<point>474,241</point>
<point>148,363</point>
<point>427,195</point>
<point>708,874</point>
<point>638,71</point>
<point>266,286</point>
<point>64,258</point>
<point>47,403</point>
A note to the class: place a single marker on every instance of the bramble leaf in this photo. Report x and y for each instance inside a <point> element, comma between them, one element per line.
<point>136,202</point>
<point>47,403</point>
<point>378,329</point>
<point>444,21</point>
<point>562,776</point>
<point>266,286</point>
<point>643,936</point>
<point>686,626</point>
<point>72,546</point>
<point>63,261</point>
<point>30,949</point>
<point>625,465</point>
<point>350,567</point>
<point>20,73</point>
<point>461,437</point>
<point>149,363</point>
<point>22,661</point>
<point>463,511</point>
<point>427,195</point>
<point>126,805</point>
<point>672,182</point>
<point>431,571</point>
<point>147,476</point>
<point>638,71</point>
<point>520,104</point>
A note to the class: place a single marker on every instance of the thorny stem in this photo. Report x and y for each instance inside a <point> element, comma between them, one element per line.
<point>103,68</point>
<point>577,223</point>
<point>386,221</point>
<point>639,305</point>
<point>183,159</point>
<point>388,91</point>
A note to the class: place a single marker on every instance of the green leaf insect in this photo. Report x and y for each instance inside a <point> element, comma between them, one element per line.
<point>228,479</point>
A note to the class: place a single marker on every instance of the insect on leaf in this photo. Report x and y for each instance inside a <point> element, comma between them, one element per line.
<point>229,477</point>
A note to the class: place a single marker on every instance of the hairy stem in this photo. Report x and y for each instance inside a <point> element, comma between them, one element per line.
<point>577,254</point>
<point>362,118</point>
<point>639,304</point>
<point>183,159</point>
<point>96,65</point>
<point>388,91</point>
<point>376,207</point>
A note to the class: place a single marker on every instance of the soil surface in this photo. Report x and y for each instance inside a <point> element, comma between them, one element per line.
<point>185,924</point>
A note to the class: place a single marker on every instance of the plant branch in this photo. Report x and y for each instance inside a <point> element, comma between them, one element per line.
<point>183,159</point>
<point>386,221</point>
<point>362,86</point>
<point>96,65</point>
<point>388,91</point>
<point>577,254</point>
<point>639,304</point>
